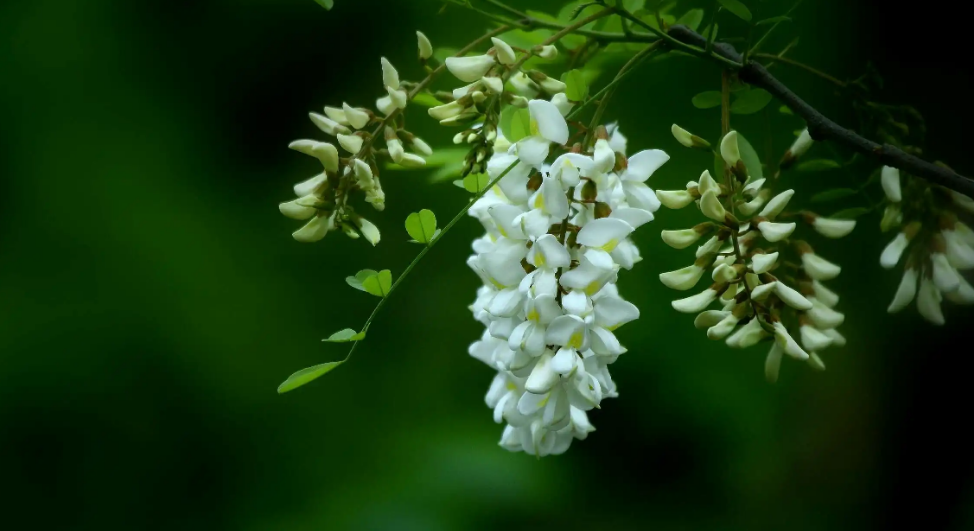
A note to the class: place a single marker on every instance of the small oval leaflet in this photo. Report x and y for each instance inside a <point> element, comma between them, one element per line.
<point>421,225</point>
<point>475,182</point>
<point>818,165</point>
<point>379,284</point>
<point>359,278</point>
<point>850,213</point>
<point>307,375</point>
<point>327,4</point>
<point>751,101</point>
<point>345,336</point>
<point>515,123</point>
<point>833,195</point>
<point>737,8</point>
<point>707,100</point>
<point>576,85</point>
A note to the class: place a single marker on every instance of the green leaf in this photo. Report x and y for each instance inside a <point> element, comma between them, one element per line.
<point>520,125</point>
<point>785,110</point>
<point>515,123</point>
<point>773,20</point>
<point>327,4</point>
<point>345,336</point>
<point>577,86</point>
<point>307,375</point>
<point>707,100</point>
<point>850,213</point>
<point>750,157</point>
<point>833,195</point>
<point>750,101</point>
<point>425,99</point>
<point>359,278</point>
<point>475,182</point>
<point>379,284</point>
<point>441,53</point>
<point>691,19</point>
<point>421,225</point>
<point>737,8</point>
<point>818,165</point>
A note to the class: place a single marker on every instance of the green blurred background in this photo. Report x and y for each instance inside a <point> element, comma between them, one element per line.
<point>151,299</point>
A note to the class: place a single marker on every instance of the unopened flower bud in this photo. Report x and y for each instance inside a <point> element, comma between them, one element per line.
<point>546,52</point>
<point>470,69</point>
<point>687,138</point>
<point>356,117</point>
<point>425,47</point>
<point>890,179</point>
<point>505,54</point>
<point>589,191</point>
<point>674,199</point>
<point>798,148</point>
<point>350,143</point>
<point>711,207</point>
<point>390,76</point>
<point>328,125</point>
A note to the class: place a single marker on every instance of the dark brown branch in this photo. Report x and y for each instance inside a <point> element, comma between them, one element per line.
<point>821,128</point>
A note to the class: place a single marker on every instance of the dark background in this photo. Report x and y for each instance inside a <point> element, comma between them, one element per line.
<point>151,298</point>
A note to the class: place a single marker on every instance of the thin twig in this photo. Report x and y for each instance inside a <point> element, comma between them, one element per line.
<point>819,126</point>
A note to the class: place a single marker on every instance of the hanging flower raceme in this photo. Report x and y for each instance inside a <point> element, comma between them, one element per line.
<point>556,238</point>
<point>764,284</point>
<point>931,242</point>
<point>323,199</point>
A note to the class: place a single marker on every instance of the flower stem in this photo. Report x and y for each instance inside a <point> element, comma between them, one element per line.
<point>422,253</point>
<point>623,73</point>
<point>609,90</point>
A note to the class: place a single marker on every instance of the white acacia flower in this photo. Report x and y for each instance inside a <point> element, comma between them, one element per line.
<point>762,263</point>
<point>788,343</point>
<point>819,268</point>
<point>315,229</point>
<point>775,232</point>
<point>641,167</point>
<point>905,292</point>
<point>711,207</point>
<point>833,228</point>
<point>547,126</point>
<point>505,54</point>
<point>928,302</point>
<point>602,237</point>
<point>777,204</point>
<point>674,199</point>
<point>470,69</point>
<point>424,45</point>
<point>801,144</point>
<point>890,180</point>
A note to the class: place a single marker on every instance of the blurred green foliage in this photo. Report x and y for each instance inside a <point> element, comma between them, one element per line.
<point>151,300</point>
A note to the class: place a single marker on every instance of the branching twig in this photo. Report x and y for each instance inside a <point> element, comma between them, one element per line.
<point>819,126</point>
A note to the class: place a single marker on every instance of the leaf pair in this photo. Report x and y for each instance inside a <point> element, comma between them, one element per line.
<point>422,226</point>
<point>378,283</point>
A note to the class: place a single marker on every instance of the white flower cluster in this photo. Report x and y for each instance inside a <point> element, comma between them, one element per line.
<point>942,246</point>
<point>323,199</point>
<point>557,236</point>
<point>757,288</point>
